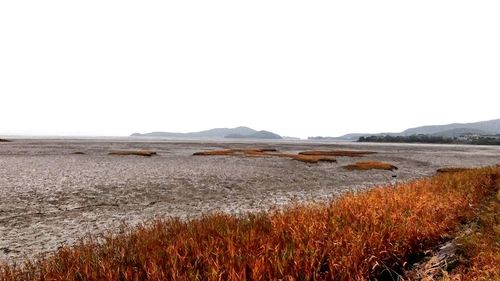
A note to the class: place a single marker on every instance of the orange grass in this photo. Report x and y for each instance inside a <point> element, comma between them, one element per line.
<point>305,158</point>
<point>313,158</point>
<point>369,165</point>
<point>344,153</point>
<point>244,152</point>
<point>356,237</point>
<point>266,152</point>
<point>481,248</point>
<point>133,152</point>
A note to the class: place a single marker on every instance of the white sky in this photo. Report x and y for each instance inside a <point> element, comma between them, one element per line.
<point>297,68</point>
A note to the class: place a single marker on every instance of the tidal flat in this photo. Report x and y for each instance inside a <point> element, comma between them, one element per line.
<point>55,191</point>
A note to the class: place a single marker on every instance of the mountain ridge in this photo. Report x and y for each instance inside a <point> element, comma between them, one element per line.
<point>257,135</point>
<point>237,132</point>
<point>491,126</point>
<point>488,127</point>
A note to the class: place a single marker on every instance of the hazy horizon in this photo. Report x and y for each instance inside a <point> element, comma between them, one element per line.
<point>113,68</point>
<point>215,127</point>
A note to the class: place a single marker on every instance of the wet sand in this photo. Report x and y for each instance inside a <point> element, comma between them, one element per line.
<point>50,197</point>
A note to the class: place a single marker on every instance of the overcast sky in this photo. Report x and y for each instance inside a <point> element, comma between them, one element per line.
<point>297,68</point>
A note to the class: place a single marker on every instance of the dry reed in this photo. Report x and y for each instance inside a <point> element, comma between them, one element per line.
<point>360,236</point>
<point>340,153</point>
<point>369,165</point>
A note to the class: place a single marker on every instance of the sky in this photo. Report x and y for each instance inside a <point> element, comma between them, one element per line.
<point>297,68</point>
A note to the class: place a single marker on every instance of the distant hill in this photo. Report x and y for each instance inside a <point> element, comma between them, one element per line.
<point>242,132</point>
<point>350,137</point>
<point>490,127</point>
<point>256,135</point>
<point>457,132</point>
<point>354,136</point>
<point>290,138</point>
<point>320,138</point>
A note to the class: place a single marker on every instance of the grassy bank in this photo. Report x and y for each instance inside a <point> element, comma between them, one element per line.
<point>357,237</point>
<point>480,248</point>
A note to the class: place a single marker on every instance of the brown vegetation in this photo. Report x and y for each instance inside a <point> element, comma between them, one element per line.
<point>369,165</point>
<point>305,158</point>
<point>480,249</point>
<point>314,158</point>
<point>4,140</point>
<point>370,235</point>
<point>340,153</point>
<point>266,152</point>
<point>232,152</point>
<point>133,152</point>
<point>451,170</point>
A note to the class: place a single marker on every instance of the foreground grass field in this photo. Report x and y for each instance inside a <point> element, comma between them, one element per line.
<point>370,235</point>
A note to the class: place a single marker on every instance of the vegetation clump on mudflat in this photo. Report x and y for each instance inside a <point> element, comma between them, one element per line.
<point>371,165</point>
<point>313,156</point>
<point>356,237</point>
<point>269,152</point>
<point>340,153</point>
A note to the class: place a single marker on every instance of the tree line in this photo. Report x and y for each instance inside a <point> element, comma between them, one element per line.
<point>481,140</point>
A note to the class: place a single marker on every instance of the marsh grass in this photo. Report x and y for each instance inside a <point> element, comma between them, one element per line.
<point>370,165</point>
<point>356,237</point>
<point>340,153</point>
<point>480,249</point>
<point>232,152</point>
<point>314,158</point>
<point>266,153</point>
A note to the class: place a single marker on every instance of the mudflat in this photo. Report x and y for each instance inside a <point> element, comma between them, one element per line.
<point>53,192</point>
